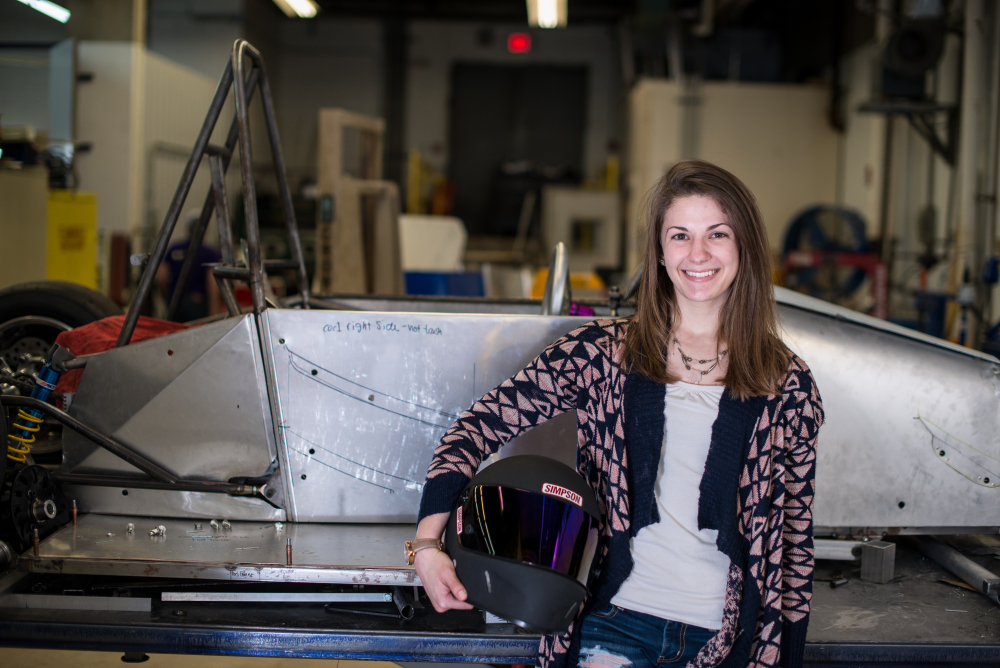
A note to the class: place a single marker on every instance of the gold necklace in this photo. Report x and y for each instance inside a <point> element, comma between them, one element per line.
<point>688,360</point>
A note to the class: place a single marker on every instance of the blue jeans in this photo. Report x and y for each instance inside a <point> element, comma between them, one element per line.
<point>618,638</point>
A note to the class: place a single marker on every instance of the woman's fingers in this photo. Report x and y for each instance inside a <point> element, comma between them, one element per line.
<point>456,591</point>
<point>441,582</point>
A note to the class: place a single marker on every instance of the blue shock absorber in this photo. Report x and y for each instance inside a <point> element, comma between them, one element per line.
<point>29,420</point>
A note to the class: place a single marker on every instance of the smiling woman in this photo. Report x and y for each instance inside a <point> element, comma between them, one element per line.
<point>696,431</point>
<point>706,286</point>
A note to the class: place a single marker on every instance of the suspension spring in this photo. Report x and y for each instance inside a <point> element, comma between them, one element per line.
<point>29,420</point>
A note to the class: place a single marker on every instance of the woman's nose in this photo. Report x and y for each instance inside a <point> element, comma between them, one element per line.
<point>700,251</point>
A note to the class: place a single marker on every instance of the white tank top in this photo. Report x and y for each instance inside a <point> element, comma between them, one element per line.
<point>679,573</point>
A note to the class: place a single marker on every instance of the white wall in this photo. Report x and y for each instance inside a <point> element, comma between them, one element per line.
<point>199,35</point>
<point>860,178</point>
<point>655,122</point>
<point>136,100</point>
<point>323,64</point>
<point>105,119</point>
<point>24,88</point>
<point>436,45</point>
<point>176,102</point>
<point>774,137</point>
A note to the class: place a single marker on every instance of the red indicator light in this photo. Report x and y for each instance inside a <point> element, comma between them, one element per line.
<point>519,42</point>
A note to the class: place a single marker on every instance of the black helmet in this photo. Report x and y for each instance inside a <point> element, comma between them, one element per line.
<point>523,539</point>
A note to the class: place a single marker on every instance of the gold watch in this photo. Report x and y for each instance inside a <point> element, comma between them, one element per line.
<point>414,546</point>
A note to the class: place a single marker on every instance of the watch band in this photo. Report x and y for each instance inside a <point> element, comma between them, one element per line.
<point>414,546</point>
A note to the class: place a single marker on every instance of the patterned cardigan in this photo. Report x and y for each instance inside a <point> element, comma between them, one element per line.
<point>757,489</point>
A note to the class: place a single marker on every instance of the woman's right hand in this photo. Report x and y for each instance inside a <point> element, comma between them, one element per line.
<point>436,570</point>
<point>437,574</point>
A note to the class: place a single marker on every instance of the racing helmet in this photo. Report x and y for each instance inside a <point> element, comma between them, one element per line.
<point>523,538</point>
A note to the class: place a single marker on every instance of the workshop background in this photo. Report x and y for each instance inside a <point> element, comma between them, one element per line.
<point>445,147</point>
<point>866,129</point>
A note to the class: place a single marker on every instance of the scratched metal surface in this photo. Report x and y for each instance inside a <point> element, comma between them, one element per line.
<point>365,397</point>
<point>251,551</point>
<point>911,433</point>
<point>195,403</point>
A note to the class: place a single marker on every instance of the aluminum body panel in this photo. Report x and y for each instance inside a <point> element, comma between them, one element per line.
<point>786,297</point>
<point>364,399</point>
<point>272,597</point>
<point>893,405</point>
<point>250,551</point>
<point>110,500</point>
<point>193,401</point>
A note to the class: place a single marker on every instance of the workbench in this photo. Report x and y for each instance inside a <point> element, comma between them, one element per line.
<point>915,619</point>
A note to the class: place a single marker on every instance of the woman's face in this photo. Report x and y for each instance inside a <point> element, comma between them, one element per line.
<point>699,251</point>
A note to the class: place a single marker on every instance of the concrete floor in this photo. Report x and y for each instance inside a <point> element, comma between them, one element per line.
<point>42,658</point>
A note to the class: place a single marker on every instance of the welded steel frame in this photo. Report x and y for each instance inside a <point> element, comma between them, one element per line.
<point>243,82</point>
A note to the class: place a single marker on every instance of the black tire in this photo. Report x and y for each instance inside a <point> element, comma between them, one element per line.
<point>33,314</point>
<point>68,303</point>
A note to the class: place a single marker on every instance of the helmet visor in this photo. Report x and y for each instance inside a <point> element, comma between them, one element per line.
<point>530,527</point>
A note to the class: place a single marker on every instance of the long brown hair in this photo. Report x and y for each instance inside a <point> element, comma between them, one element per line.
<point>748,322</point>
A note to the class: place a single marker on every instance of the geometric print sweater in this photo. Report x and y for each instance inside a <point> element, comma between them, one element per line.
<point>757,489</point>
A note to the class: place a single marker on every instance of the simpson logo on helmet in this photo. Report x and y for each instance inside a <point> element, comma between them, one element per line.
<point>563,493</point>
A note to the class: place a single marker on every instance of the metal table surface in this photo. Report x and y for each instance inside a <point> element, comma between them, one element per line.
<point>321,553</point>
<point>914,620</point>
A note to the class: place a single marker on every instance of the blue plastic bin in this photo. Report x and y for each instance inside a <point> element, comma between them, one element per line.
<point>451,284</point>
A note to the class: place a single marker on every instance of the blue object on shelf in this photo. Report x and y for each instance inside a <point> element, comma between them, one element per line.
<point>991,270</point>
<point>934,305</point>
<point>451,284</point>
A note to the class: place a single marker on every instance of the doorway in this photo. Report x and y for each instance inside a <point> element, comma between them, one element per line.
<point>513,129</point>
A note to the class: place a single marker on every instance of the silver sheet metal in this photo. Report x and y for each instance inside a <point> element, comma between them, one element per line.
<point>55,602</point>
<point>912,433</point>
<point>841,550</point>
<point>364,398</point>
<point>272,597</point>
<point>194,401</point>
<point>194,505</point>
<point>250,551</point>
<point>786,297</point>
<point>360,398</point>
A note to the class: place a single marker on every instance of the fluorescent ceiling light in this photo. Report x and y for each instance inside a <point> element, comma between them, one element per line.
<point>51,9</point>
<point>547,13</point>
<point>304,9</point>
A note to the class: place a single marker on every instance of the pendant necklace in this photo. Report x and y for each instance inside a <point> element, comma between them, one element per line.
<point>714,361</point>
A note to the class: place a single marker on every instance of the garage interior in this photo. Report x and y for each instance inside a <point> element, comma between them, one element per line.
<point>283,244</point>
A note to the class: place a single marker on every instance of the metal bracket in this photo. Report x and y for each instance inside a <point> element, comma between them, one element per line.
<point>921,117</point>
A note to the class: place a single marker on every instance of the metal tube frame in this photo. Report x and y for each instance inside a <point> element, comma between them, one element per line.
<point>243,84</point>
<point>119,450</point>
<point>160,478</point>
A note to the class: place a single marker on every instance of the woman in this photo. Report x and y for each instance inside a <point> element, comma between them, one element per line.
<point>688,411</point>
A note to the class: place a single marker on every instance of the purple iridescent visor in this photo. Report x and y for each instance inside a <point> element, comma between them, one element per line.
<point>530,527</point>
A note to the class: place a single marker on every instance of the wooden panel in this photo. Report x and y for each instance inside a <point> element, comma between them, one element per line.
<point>348,259</point>
<point>347,247</point>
